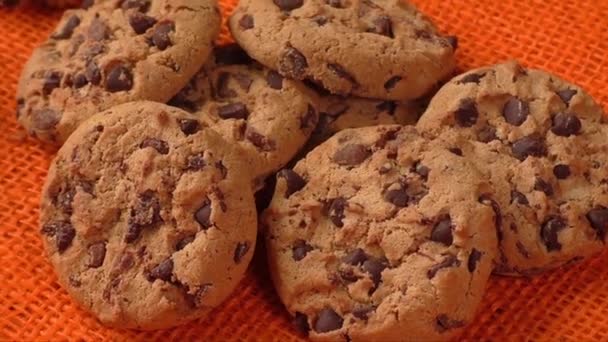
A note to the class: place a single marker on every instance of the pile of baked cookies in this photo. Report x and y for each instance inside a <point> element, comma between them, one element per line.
<point>387,218</point>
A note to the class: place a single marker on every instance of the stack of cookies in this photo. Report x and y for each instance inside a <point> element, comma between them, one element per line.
<point>392,203</point>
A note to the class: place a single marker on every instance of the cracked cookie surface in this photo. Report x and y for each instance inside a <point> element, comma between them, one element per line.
<point>382,49</point>
<point>541,142</point>
<point>380,234</point>
<point>148,217</point>
<point>270,117</point>
<point>111,52</point>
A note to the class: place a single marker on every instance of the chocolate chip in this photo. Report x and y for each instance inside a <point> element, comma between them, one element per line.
<point>549,231</point>
<point>52,80</point>
<point>565,125</point>
<point>145,213</point>
<point>236,110</point>
<point>97,254</point>
<point>474,258</point>
<point>387,106</point>
<point>141,22</point>
<point>80,80</point>
<point>274,80</point>
<point>63,232</point>
<point>240,251</point>
<point>162,271</point>
<point>355,257</point>
<point>471,78</point>
<point>87,3</point>
<point>488,200</point>
<point>92,73</point>
<point>449,261</point>
<point>160,146</point>
<point>466,115</point>
<point>519,198</point>
<point>515,111</point>
<point>334,3</point>
<point>421,170</point>
<point>328,320</point>
<point>293,64</point>
<point>543,186</point>
<point>363,312</point>
<point>181,244</point>
<point>223,170</point>
<point>196,162</point>
<point>45,119</point>
<point>119,78</point>
<point>68,28</point>
<point>397,197</point>
<point>160,36</point>
<point>531,145</point>
<point>561,171</point>
<point>374,267</point>
<point>288,5</point>
<point>383,25</point>
<point>453,41</point>
<point>64,199</point>
<point>231,54</point>
<point>293,181</point>
<point>189,126</point>
<point>566,95</point>
<point>341,72</point>
<point>98,30</point>
<point>203,215</point>
<point>444,323</point>
<point>442,231</point>
<point>301,322</point>
<point>392,82</point>
<point>244,81</point>
<point>455,150</point>
<point>335,211</point>
<point>598,218</point>
<point>487,134</point>
<point>246,22</point>
<point>223,91</point>
<point>259,140</point>
<point>139,5</point>
<point>352,154</point>
<point>300,249</point>
<point>309,119</point>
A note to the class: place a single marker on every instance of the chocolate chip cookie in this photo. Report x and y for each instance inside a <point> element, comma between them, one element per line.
<point>270,117</point>
<point>111,52</point>
<point>148,217</point>
<point>382,49</point>
<point>380,235</point>
<point>541,141</point>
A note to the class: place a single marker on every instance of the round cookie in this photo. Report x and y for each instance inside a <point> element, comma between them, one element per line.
<point>379,235</point>
<point>268,116</point>
<point>542,143</point>
<point>148,217</point>
<point>382,49</point>
<point>111,52</point>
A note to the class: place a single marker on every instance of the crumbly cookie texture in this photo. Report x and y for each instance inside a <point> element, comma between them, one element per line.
<point>382,49</point>
<point>49,3</point>
<point>268,116</point>
<point>541,141</point>
<point>380,234</point>
<point>148,217</point>
<point>111,52</point>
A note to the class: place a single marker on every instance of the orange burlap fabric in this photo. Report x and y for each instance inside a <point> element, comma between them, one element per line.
<point>569,38</point>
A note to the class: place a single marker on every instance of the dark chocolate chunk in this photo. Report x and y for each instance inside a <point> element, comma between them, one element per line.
<point>203,215</point>
<point>566,124</point>
<point>288,5</point>
<point>531,145</point>
<point>162,271</point>
<point>383,25</point>
<point>97,254</point>
<point>341,72</point>
<point>466,115</point>
<point>471,78</point>
<point>274,80</point>
<point>448,261</point>
<point>98,30</point>
<point>561,171</point>
<point>335,211</point>
<point>328,320</point>
<point>444,323</point>
<point>293,64</point>
<point>566,95</point>
<point>544,186</point>
<point>52,80</point>
<point>300,249</point>
<point>246,22</point>
<point>442,231</point>
<point>515,111</point>
<point>68,28</point>
<point>236,110</point>
<point>189,126</point>
<point>487,134</point>
<point>549,232</point>
<point>141,22</point>
<point>374,268</point>
<point>301,322</point>
<point>355,257</point>
<point>519,198</point>
<point>119,78</point>
<point>92,73</point>
<point>392,82</point>
<point>598,218</point>
<point>160,146</point>
<point>160,36</point>
<point>397,197</point>
<point>351,155</point>
<point>240,251</point>
<point>63,232</point>
<point>474,258</point>
<point>293,181</point>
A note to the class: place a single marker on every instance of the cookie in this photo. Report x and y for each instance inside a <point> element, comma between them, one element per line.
<point>382,49</point>
<point>49,3</point>
<point>111,52</point>
<point>379,235</point>
<point>148,217</point>
<point>268,116</point>
<point>541,141</point>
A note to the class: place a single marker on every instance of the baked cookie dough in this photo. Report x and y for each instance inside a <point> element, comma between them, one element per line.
<point>111,52</point>
<point>148,216</point>
<point>380,235</point>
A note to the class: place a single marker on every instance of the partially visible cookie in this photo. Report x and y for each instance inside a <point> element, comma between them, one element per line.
<point>111,52</point>
<point>542,143</point>
<point>148,216</point>
<point>49,3</point>
<point>382,49</point>
<point>270,117</point>
<point>380,235</point>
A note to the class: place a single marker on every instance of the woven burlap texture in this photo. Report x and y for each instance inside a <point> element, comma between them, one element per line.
<point>569,38</point>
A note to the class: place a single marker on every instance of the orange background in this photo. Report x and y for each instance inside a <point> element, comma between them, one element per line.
<point>569,38</point>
